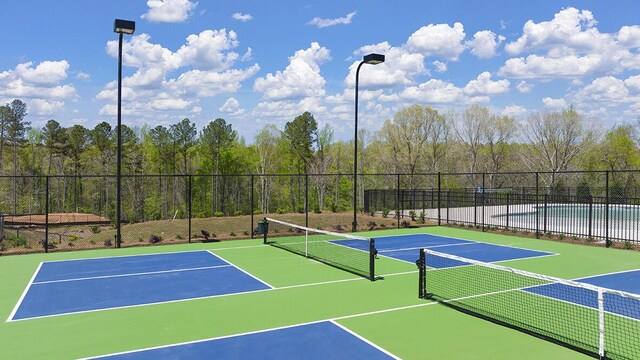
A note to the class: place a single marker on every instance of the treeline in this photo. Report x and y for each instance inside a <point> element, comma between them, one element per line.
<point>418,139</point>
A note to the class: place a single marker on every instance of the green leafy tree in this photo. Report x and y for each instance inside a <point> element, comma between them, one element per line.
<point>301,134</point>
<point>55,140</point>
<point>184,134</point>
<point>217,137</point>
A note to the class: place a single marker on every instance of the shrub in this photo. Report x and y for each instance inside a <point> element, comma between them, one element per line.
<point>422,217</point>
<point>237,213</point>
<point>338,227</point>
<point>257,212</point>
<point>107,243</point>
<point>232,234</point>
<point>94,229</point>
<point>627,245</point>
<point>405,224</point>
<point>218,214</point>
<point>71,244</point>
<point>317,211</point>
<point>383,225</point>
<point>245,233</point>
<point>205,234</point>
<point>412,214</point>
<point>372,225</point>
<point>92,242</point>
<point>73,238</point>
<point>276,230</point>
<point>372,212</point>
<point>561,236</point>
<point>280,211</point>
<point>333,207</point>
<point>178,236</point>
<point>514,231</point>
<point>549,234</point>
<point>154,239</point>
<point>385,212</point>
<point>590,239</point>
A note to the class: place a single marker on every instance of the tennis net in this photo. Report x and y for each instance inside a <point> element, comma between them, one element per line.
<point>597,321</point>
<point>354,254</point>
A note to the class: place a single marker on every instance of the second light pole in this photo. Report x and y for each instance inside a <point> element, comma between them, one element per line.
<point>120,27</point>
<point>372,59</point>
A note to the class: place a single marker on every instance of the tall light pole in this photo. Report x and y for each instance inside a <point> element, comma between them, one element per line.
<point>372,59</point>
<point>120,27</point>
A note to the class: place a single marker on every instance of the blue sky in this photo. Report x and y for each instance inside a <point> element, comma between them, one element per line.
<point>260,62</point>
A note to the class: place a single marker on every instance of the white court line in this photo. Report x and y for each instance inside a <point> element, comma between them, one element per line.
<point>132,274</point>
<point>242,270</point>
<point>372,344</point>
<point>212,296</point>
<point>122,256</point>
<point>331,320</point>
<point>24,293</point>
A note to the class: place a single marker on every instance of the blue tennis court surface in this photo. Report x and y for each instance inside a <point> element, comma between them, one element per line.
<point>405,247</point>
<point>324,340</point>
<point>73,286</point>
<point>626,281</point>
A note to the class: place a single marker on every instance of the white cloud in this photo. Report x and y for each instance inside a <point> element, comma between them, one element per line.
<point>83,76</point>
<point>633,82</point>
<point>570,45</point>
<point>231,107</point>
<point>44,107</point>
<point>555,104</point>
<point>401,67</point>
<point>484,44</point>
<point>175,81</point>
<point>483,85</point>
<point>440,40</point>
<point>43,83</point>
<point>432,91</point>
<point>514,111</point>
<point>322,23</point>
<point>524,87</point>
<point>242,17</point>
<point>209,50</point>
<point>171,11</point>
<point>608,89</point>
<point>440,66</point>
<point>301,78</point>
<point>285,110</point>
<point>247,55</point>
<point>45,73</point>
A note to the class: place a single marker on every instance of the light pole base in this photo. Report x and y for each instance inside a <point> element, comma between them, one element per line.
<point>354,226</point>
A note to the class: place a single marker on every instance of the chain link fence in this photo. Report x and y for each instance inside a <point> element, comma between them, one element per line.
<point>57,213</point>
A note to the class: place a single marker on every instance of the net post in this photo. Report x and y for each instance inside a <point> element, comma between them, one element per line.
<point>266,226</point>
<point>372,258</point>
<point>601,352</point>
<point>46,217</point>
<point>421,263</point>
<point>306,243</point>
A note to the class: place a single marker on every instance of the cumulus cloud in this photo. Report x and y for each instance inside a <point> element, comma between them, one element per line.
<point>400,68</point>
<point>440,66</point>
<point>83,76</point>
<point>554,104</point>
<point>483,85</point>
<point>570,45</point>
<point>484,44</point>
<point>301,78</point>
<point>514,111</point>
<point>611,90</point>
<point>41,86</point>
<point>322,23</point>
<point>170,11</point>
<point>439,40</point>
<point>242,17</point>
<point>524,87</point>
<point>231,107</point>
<point>176,80</point>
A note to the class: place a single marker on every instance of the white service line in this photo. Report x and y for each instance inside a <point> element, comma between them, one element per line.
<point>132,274</point>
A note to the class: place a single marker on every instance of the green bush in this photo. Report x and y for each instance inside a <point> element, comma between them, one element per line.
<point>154,239</point>
<point>385,212</point>
<point>422,217</point>
<point>281,211</point>
<point>73,238</point>
<point>94,229</point>
<point>232,233</point>
<point>245,233</point>
<point>333,207</point>
<point>257,212</point>
<point>412,214</point>
<point>237,213</point>
<point>218,214</point>
<point>627,245</point>
<point>178,236</point>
